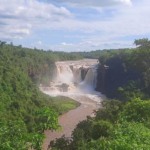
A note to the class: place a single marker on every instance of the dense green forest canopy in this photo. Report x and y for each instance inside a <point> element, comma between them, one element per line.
<point>25,112</point>
<point>125,74</point>
<point>122,124</point>
<point>116,126</point>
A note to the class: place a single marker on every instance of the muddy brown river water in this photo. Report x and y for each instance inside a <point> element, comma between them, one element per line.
<point>69,120</point>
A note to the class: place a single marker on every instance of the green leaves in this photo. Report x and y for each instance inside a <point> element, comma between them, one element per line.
<point>36,141</point>
<point>25,112</point>
<point>137,110</point>
<point>101,129</point>
<point>142,43</point>
<point>47,119</point>
<point>117,126</point>
<point>13,135</point>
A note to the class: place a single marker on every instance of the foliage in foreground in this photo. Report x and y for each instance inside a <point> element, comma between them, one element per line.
<point>25,112</point>
<point>117,126</point>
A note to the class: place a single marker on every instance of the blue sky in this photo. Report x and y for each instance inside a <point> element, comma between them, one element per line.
<point>74,25</point>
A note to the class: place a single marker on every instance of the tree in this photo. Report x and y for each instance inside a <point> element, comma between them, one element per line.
<point>145,43</point>
<point>2,43</point>
<point>47,119</point>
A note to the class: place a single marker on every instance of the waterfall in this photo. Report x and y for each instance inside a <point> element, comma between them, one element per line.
<point>64,73</point>
<point>89,82</point>
<point>76,70</point>
<point>75,76</point>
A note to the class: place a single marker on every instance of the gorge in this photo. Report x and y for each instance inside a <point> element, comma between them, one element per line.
<point>26,113</point>
<point>77,80</point>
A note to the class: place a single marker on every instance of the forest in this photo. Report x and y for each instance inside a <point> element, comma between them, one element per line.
<point>25,112</point>
<point>123,122</point>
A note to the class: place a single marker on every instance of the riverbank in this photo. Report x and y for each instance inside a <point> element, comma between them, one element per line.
<point>69,120</point>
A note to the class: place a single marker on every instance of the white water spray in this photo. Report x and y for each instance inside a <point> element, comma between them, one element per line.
<point>74,79</point>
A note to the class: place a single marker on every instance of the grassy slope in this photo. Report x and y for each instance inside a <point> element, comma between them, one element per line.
<point>64,104</point>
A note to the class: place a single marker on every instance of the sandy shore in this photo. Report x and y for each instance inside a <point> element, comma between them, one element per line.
<point>69,120</point>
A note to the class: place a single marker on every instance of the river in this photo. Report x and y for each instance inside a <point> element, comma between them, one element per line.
<point>77,80</point>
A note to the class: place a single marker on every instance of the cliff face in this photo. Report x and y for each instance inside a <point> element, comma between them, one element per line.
<point>101,78</point>
<point>114,75</point>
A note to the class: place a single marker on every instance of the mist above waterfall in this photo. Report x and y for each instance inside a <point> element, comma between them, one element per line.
<point>74,78</point>
<point>64,74</point>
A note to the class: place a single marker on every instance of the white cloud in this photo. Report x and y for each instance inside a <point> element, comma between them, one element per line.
<point>39,42</point>
<point>97,3</point>
<point>130,22</point>
<point>93,43</point>
<point>66,44</point>
<point>24,17</point>
<point>19,18</point>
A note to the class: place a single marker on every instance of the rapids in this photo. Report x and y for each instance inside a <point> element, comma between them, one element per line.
<point>74,78</point>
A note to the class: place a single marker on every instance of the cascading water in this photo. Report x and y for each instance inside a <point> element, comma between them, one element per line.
<point>64,73</point>
<point>75,76</point>
<point>76,70</point>
<point>89,82</point>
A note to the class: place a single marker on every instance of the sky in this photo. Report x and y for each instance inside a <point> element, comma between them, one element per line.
<point>74,25</point>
